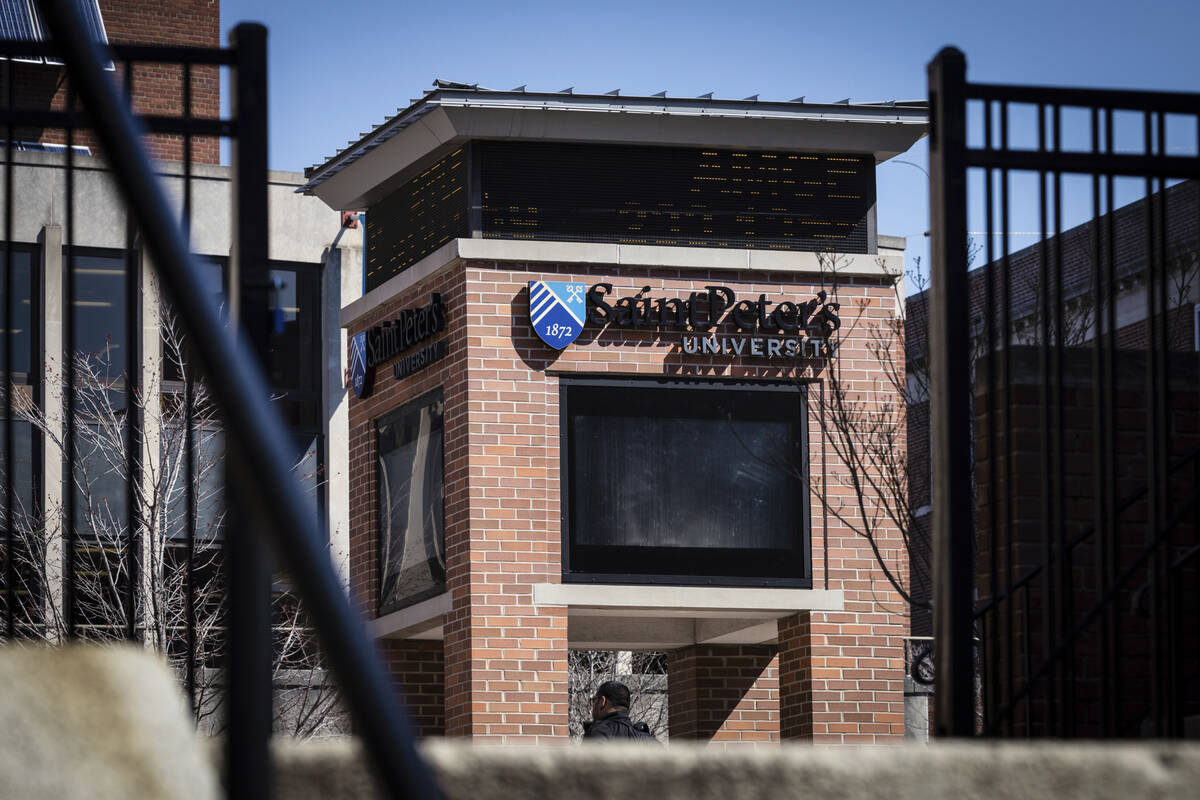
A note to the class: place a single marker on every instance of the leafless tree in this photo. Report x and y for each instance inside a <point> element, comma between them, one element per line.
<point>131,540</point>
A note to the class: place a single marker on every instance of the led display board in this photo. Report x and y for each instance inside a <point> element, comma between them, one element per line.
<point>418,218</point>
<point>676,196</point>
<point>692,197</point>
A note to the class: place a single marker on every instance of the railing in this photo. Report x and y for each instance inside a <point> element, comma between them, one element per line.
<point>265,504</point>
<point>1063,405</point>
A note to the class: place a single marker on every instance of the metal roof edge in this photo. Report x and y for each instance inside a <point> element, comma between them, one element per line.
<point>461,95</point>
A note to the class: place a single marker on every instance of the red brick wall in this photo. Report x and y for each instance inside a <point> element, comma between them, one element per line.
<point>417,668</point>
<point>724,693</point>
<point>505,657</point>
<point>157,88</point>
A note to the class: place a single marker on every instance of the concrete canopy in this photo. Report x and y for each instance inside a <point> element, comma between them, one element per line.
<point>386,157</point>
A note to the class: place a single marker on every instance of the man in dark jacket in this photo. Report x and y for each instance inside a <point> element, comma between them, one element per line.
<point>610,715</point>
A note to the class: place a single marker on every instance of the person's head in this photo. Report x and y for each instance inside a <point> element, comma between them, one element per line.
<point>611,696</point>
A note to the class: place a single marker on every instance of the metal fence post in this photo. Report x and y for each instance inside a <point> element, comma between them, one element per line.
<point>950,399</point>
<point>249,629</point>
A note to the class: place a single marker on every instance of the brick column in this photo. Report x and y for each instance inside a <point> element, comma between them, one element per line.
<point>416,667</point>
<point>506,659</point>
<point>724,693</point>
<point>841,678</point>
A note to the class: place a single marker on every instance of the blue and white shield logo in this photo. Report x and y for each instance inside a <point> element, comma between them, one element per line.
<point>360,377</point>
<point>556,311</point>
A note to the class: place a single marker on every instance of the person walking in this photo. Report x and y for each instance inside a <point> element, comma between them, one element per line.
<point>610,715</point>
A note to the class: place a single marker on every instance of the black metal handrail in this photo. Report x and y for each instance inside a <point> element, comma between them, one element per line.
<point>1123,505</point>
<point>270,495</point>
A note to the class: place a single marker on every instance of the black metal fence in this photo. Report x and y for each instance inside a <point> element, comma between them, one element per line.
<point>73,409</point>
<point>1065,403</point>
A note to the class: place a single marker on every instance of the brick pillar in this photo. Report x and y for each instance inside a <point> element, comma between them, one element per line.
<point>795,678</point>
<point>506,658</point>
<point>841,677</point>
<point>724,693</point>
<point>416,667</point>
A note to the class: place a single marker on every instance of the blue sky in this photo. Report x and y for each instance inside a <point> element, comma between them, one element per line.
<point>338,68</point>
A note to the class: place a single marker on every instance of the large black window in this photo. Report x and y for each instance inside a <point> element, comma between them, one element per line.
<point>412,553</point>
<point>685,482</point>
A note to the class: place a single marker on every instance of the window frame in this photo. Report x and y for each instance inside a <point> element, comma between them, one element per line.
<point>650,577</point>
<point>420,401</point>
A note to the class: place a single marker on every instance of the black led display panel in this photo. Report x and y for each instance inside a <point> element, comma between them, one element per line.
<point>676,196</point>
<point>418,218</point>
<point>684,482</point>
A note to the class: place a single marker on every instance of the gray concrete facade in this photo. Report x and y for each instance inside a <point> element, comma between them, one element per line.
<point>302,229</point>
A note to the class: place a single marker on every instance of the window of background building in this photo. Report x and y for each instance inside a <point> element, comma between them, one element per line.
<point>23,475</point>
<point>98,309</point>
<point>682,482</point>
<point>412,555</point>
<point>24,328</point>
<point>293,359</point>
<point>214,276</point>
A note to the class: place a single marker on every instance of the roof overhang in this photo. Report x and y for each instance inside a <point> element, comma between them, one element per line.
<point>382,160</point>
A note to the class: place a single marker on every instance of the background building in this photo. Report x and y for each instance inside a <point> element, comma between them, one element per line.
<point>117,308</point>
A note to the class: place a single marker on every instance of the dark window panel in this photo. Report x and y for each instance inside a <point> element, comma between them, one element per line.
<point>214,276</point>
<point>209,480</point>
<point>412,550</point>
<point>28,544</point>
<point>22,330</point>
<point>686,482</point>
<point>99,472</point>
<point>99,312</point>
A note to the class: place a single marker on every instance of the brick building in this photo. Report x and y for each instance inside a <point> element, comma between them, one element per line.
<point>586,370</point>
<point>157,89</point>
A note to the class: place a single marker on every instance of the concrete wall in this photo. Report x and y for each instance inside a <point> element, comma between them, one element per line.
<point>963,771</point>
<point>302,229</point>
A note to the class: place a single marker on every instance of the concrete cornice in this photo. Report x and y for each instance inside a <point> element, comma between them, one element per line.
<point>690,600</point>
<point>595,253</point>
<point>419,621</point>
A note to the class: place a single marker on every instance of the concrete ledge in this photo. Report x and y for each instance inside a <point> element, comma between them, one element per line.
<point>97,722</point>
<point>419,621</point>
<point>749,602</point>
<point>968,771</point>
<point>587,253</point>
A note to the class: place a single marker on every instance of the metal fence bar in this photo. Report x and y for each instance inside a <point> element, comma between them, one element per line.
<point>239,388</point>
<point>950,400</point>
<point>993,643</point>
<point>1049,599</point>
<point>133,523</point>
<point>1009,471</point>
<point>70,346</point>
<point>189,438</point>
<point>249,576</point>
<point>1086,163</point>
<point>10,553</point>
<point>1111,546</point>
